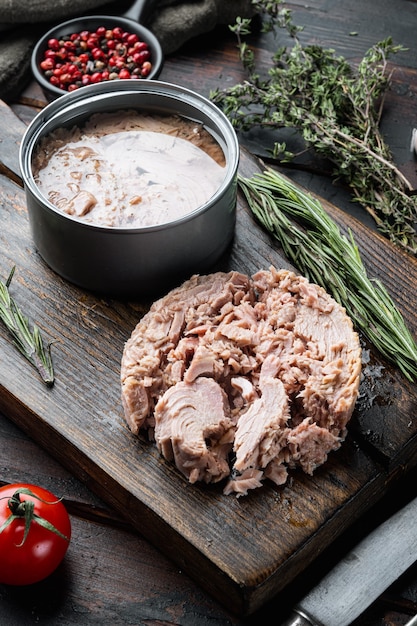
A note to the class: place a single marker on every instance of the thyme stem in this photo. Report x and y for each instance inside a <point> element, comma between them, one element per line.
<point>334,107</point>
<point>346,139</point>
<point>28,342</point>
<point>314,244</point>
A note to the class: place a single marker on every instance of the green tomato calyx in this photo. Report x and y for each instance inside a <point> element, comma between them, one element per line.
<point>25,509</point>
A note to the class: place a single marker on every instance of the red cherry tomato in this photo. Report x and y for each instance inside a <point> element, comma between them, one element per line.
<point>35,532</point>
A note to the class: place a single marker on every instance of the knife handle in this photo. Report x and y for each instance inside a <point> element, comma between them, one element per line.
<point>298,618</point>
<point>364,572</point>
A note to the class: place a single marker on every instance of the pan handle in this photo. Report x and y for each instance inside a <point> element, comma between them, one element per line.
<point>139,11</point>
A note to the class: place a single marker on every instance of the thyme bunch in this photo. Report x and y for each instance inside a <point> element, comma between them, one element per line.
<point>28,342</point>
<point>337,111</point>
<point>314,244</point>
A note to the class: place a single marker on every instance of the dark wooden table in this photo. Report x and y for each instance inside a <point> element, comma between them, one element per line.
<point>111,574</point>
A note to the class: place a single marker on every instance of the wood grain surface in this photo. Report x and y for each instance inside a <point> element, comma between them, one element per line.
<point>245,551</point>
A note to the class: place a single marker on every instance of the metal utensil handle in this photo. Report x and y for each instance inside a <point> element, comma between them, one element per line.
<point>296,618</point>
<point>374,564</point>
<point>362,574</point>
<point>139,10</point>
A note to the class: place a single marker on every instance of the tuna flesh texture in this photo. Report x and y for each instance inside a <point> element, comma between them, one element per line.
<point>241,379</point>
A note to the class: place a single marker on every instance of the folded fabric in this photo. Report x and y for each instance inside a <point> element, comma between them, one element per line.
<point>174,22</point>
<point>21,12</point>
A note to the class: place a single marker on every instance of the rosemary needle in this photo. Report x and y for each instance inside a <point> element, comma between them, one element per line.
<point>314,244</point>
<point>28,342</point>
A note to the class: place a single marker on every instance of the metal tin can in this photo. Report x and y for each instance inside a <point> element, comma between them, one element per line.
<point>131,262</point>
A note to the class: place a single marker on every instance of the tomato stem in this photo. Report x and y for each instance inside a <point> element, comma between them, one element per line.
<point>16,505</point>
<point>26,509</point>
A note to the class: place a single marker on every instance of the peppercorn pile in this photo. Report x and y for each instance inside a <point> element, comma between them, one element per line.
<point>92,57</point>
<point>174,22</point>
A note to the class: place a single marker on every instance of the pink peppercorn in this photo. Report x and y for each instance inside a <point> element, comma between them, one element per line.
<point>53,44</point>
<point>124,73</point>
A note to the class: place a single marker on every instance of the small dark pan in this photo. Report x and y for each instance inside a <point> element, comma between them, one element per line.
<point>129,22</point>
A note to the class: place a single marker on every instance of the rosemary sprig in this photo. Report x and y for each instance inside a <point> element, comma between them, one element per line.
<point>314,244</point>
<point>335,108</point>
<point>28,342</point>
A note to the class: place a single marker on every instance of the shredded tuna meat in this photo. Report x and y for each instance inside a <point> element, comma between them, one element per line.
<point>194,429</point>
<point>242,379</point>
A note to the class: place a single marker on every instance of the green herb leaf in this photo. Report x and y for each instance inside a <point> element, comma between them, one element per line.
<point>28,342</point>
<point>314,244</point>
<point>335,108</point>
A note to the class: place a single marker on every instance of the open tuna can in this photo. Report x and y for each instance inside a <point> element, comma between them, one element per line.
<point>162,204</point>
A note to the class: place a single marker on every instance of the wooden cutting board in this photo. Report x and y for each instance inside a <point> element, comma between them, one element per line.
<point>241,550</point>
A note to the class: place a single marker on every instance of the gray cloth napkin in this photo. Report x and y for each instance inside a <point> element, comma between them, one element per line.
<point>174,22</point>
